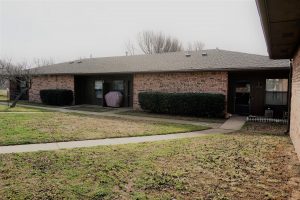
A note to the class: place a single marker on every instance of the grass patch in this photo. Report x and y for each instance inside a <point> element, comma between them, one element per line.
<point>5,108</point>
<point>90,108</point>
<point>19,128</point>
<point>165,116</point>
<point>229,166</point>
<point>26,102</point>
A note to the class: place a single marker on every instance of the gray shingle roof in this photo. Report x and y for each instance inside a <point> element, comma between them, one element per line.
<point>216,60</point>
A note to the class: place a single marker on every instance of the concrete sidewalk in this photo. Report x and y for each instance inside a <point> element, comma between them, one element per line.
<point>108,141</point>
<point>234,123</point>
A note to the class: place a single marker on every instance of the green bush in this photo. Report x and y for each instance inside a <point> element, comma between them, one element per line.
<point>193,104</point>
<point>58,97</point>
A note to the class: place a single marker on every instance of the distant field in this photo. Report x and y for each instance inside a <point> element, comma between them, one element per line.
<point>3,95</point>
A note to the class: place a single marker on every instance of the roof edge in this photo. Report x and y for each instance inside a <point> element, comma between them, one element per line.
<point>174,71</point>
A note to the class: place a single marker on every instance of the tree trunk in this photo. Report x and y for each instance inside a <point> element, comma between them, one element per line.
<point>14,103</point>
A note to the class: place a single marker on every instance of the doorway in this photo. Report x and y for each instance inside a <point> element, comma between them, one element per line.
<point>91,89</point>
<point>242,98</point>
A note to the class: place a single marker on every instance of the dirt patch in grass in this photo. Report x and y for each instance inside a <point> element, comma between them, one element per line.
<point>269,128</point>
<point>231,166</point>
<point>165,116</point>
<point>56,126</point>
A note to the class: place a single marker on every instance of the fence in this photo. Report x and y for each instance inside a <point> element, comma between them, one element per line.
<point>266,120</point>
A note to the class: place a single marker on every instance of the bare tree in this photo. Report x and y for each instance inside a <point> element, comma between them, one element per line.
<point>151,42</point>
<point>20,74</point>
<point>198,45</point>
<point>130,48</point>
<point>145,41</point>
<point>195,46</point>
<point>39,62</point>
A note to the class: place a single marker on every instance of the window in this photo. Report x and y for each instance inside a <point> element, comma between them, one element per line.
<point>23,84</point>
<point>118,85</point>
<point>276,91</point>
<point>99,89</point>
<point>242,93</point>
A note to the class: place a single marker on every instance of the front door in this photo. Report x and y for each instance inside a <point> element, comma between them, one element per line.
<point>242,98</point>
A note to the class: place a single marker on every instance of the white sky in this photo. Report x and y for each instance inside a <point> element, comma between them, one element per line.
<point>66,30</point>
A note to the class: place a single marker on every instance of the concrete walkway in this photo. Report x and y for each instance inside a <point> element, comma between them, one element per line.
<point>101,142</point>
<point>234,123</point>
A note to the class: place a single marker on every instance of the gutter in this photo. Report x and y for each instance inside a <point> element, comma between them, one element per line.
<point>172,71</point>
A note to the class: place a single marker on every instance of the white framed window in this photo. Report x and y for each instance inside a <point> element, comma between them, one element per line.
<point>276,91</point>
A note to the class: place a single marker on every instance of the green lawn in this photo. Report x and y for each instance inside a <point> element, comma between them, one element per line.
<point>5,108</point>
<point>165,116</point>
<point>243,165</point>
<point>24,128</point>
<point>26,102</point>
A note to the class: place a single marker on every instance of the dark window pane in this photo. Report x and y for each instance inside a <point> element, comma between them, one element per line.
<point>276,98</point>
<point>118,85</point>
<point>276,91</point>
<point>242,98</point>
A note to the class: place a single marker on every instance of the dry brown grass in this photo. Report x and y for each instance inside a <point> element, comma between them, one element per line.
<point>269,128</point>
<point>242,165</point>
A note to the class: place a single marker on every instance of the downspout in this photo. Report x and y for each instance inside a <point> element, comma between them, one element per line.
<point>289,96</point>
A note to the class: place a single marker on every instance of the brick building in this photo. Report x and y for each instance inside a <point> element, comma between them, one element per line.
<point>251,83</point>
<point>281,25</point>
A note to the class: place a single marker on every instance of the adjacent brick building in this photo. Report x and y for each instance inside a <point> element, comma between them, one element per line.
<point>295,103</point>
<point>280,22</point>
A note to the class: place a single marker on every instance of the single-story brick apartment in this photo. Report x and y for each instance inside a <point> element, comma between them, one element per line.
<point>251,83</point>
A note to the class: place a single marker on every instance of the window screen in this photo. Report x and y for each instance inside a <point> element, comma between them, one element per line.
<point>276,91</point>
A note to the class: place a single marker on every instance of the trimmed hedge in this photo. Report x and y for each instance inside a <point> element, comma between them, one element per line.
<point>193,104</point>
<point>58,97</point>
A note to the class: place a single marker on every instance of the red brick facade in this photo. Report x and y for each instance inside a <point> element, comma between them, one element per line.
<point>211,82</point>
<point>295,104</point>
<point>49,82</point>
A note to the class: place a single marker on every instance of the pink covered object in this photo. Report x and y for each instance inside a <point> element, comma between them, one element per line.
<point>114,99</point>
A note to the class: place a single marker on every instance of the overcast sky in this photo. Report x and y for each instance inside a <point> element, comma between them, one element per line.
<point>67,30</point>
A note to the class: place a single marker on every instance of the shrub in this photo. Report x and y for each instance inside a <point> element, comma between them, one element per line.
<point>58,97</point>
<point>193,104</point>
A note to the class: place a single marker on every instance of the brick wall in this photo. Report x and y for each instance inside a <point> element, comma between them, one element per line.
<point>49,82</point>
<point>295,104</point>
<point>211,82</point>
